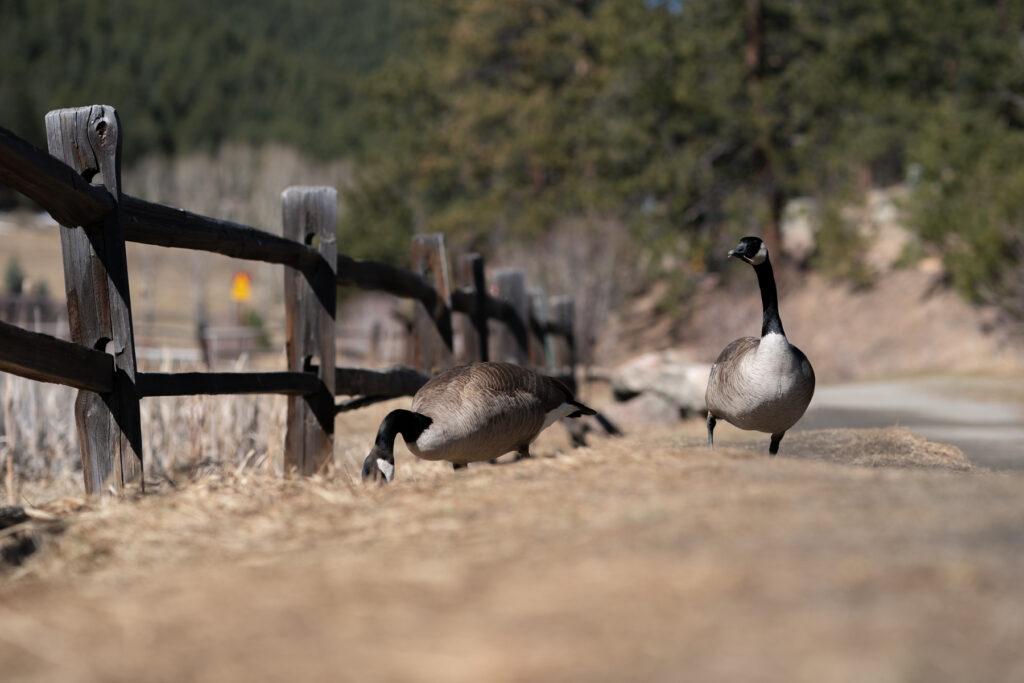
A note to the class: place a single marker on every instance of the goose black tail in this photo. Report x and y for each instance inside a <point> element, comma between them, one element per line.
<point>582,410</point>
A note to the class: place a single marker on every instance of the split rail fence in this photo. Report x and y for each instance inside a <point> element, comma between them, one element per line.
<point>79,184</point>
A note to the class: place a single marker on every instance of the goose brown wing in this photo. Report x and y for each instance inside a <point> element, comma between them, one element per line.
<point>484,408</point>
<point>463,388</point>
<point>736,349</point>
<point>482,392</point>
<point>722,383</point>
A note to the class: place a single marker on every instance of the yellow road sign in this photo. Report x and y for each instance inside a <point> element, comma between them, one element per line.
<point>241,286</point>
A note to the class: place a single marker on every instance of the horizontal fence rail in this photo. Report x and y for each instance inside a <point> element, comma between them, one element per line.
<point>226,383</point>
<point>72,201</point>
<point>86,145</point>
<point>48,359</point>
<point>162,226</point>
<point>383,277</point>
<point>374,386</point>
<point>52,184</point>
<point>392,383</point>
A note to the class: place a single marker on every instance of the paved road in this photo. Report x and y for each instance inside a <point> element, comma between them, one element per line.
<point>982,416</point>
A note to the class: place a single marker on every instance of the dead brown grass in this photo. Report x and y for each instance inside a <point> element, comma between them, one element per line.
<point>639,558</point>
<point>888,447</point>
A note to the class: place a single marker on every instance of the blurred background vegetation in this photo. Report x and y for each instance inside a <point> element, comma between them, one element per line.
<point>681,123</point>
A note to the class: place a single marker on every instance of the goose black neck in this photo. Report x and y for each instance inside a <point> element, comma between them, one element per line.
<point>771,323</point>
<point>405,422</point>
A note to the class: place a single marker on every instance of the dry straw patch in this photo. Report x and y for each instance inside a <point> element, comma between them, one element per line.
<point>235,509</point>
<point>643,557</point>
<point>890,447</point>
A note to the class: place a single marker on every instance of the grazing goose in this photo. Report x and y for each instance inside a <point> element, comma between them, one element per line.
<point>473,413</point>
<point>760,384</point>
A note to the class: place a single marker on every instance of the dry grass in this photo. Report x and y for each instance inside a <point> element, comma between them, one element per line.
<point>165,283</point>
<point>638,558</point>
<point>889,447</point>
<point>183,437</point>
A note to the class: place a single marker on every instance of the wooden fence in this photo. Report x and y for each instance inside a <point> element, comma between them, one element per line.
<point>79,184</point>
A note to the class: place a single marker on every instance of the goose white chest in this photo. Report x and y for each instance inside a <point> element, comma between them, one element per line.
<point>773,369</point>
<point>769,388</point>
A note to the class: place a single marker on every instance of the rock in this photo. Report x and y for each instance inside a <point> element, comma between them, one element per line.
<point>801,219</point>
<point>883,228</point>
<point>644,409</point>
<point>667,375</point>
<point>879,219</point>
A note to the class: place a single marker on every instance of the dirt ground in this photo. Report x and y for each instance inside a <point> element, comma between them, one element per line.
<point>859,555</point>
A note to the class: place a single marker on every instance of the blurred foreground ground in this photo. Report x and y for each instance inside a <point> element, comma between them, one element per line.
<point>860,555</point>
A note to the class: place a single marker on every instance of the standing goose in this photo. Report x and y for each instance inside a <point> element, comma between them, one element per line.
<point>473,413</point>
<point>761,384</point>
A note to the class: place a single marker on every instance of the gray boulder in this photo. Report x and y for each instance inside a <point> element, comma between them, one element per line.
<point>667,376</point>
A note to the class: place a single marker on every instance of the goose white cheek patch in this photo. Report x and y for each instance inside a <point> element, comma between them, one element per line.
<point>386,468</point>
<point>760,256</point>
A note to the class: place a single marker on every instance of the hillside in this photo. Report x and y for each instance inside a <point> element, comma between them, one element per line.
<point>907,322</point>
<point>899,316</point>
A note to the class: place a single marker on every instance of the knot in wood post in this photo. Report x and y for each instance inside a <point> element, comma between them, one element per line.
<point>88,139</point>
<point>310,217</point>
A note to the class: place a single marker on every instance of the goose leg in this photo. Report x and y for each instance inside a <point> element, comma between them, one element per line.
<point>459,466</point>
<point>523,453</point>
<point>711,429</point>
<point>774,447</point>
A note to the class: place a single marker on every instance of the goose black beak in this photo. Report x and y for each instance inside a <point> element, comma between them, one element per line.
<point>736,254</point>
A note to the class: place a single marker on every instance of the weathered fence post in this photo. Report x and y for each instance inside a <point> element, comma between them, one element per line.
<point>511,287</point>
<point>310,303</point>
<point>432,325</point>
<point>563,315</point>
<point>88,139</point>
<point>473,328</point>
<point>540,340</point>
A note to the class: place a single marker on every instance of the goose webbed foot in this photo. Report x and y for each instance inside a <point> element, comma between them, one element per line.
<point>774,447</point>
<point>459,466</point>
<point>523,453</point>
<point>711,430</point>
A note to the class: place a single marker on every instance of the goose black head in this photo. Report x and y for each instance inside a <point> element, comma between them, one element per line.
<point>380,463</point>
<point>753,250</point>
<point>379,466</point>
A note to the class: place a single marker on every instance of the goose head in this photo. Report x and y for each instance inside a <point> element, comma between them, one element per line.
<point>380,463</point>
<point>751,249</point>
<point>379,466</point>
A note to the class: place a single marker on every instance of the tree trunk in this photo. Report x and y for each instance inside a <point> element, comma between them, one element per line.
<point>764,154</point>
